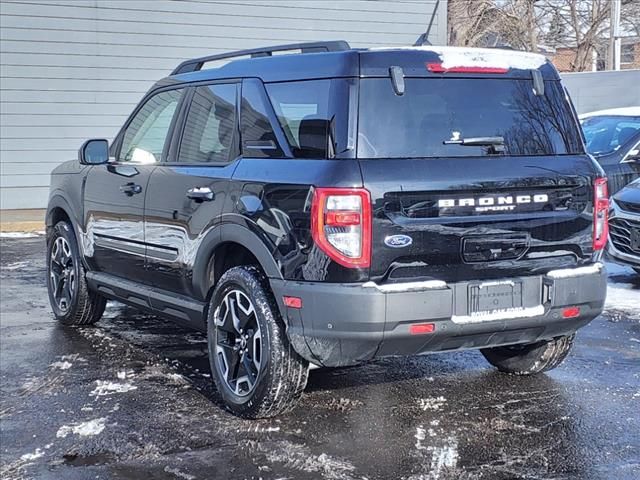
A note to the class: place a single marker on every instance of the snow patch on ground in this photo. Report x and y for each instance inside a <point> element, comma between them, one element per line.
<point>299,458</point>
<point>28,457</point>
<point>444,457</point>
<point>84,429</point>
<point>623,296</point>
<point>179,474</point>
<point>61,365</point>
<point>109,388</point>
<point>435,403</point>
<point>15,266</point>
<point>19,234</point>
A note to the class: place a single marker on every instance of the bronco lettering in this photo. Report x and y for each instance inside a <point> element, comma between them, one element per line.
<point>486,203</point>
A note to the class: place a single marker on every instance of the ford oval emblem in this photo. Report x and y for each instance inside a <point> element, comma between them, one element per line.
<point>398,241</point>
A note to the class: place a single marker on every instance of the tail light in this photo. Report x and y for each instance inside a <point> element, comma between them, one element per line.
<point>600,213</point>
<point>341,225</point>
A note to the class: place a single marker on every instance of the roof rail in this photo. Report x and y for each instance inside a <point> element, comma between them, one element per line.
<point>196,64</point>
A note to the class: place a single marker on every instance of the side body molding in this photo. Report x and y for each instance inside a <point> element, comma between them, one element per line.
<point>231,232</point>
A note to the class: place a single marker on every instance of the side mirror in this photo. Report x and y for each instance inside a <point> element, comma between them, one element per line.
<point>632,156</point>
<point>94,152</point>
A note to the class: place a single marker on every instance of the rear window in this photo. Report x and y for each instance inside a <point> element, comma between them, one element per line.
<point>433,111</point>
<point>606,134</point>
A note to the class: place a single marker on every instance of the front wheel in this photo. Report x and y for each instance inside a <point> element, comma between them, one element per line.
<point>531,358</point>
<point>256,371</point>
<point>71,300</point>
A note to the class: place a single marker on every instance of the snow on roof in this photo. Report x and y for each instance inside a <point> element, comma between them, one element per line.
<point>624,112</point>
<point>481,57</point>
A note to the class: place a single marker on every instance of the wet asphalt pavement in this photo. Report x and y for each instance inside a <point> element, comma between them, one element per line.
<point>131,399</point>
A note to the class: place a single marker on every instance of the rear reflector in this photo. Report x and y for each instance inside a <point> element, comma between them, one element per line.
<point>292,302</point>
<point>422,328</point>
<point>438,68</point>
<point>571,312</point>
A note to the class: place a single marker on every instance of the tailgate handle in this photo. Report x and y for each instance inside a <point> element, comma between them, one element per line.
<point>494,247</point>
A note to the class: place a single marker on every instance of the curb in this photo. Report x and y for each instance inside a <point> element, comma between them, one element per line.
<point>25,226</point>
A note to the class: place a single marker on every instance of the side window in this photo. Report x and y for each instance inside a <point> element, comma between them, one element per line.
<point>210,127</point>
<point>303,112</point>
<point>258,138</point>
<point>144,138</point>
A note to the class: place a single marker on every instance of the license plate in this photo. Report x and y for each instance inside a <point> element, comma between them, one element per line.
<point>492,297</point>
<point>635,240</point>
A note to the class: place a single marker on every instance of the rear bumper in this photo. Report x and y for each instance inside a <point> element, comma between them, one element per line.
<point>346,324</point>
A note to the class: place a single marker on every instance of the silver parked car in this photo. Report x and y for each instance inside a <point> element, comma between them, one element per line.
<point>624,226</point>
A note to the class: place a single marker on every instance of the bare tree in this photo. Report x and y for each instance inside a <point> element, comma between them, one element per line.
<point>630,17</point>
<point>586,23</point>
<point>470,21</point>
<point>481,23</point>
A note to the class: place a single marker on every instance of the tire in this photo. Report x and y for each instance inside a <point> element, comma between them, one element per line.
<point>71,300</point>
<point>529,359</point>
<point>260,376</point>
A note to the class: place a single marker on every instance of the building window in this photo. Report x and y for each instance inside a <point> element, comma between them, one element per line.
<point>627,53</point>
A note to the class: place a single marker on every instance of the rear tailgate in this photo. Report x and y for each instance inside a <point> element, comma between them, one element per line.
<point>479,218</point>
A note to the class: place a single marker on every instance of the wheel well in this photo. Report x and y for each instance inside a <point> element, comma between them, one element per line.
<point>56,215</point>
<point>226,256</point>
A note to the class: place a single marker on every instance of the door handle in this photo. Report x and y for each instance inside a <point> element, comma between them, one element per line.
<point>130,189</point>
<point>200,194</point>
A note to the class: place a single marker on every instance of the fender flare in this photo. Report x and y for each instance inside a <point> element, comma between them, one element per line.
<point>230,232</point>
<point>59,201</point>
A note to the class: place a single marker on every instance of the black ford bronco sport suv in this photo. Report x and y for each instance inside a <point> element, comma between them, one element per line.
<point>335,205</point>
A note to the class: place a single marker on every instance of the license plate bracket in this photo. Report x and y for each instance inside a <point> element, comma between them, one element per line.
<point>490,297</point>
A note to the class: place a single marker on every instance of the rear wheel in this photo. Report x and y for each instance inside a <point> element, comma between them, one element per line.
<point>531,358</point>
<point>256,371</point>
<point>71,300</point>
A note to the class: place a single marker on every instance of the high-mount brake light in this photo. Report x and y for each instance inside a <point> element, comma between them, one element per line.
<point>341,225</point>
<point>438,68</point>
<point>600,213</point>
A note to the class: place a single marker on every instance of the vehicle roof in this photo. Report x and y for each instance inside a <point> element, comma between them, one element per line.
<point>623,112</point>
<point>373,62</point>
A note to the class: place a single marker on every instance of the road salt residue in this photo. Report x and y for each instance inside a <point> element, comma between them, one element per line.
<point>84,429</point>
<point>432,403</point>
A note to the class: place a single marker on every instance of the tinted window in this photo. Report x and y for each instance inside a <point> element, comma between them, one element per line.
<point>144,138</point>
<point>432,111</point>
<point>210,126</point>
<point>605,134</point>
<point>258,137</point>
<point>303,112</point>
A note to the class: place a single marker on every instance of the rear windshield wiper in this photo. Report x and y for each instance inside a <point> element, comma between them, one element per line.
<point>496,144</point>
